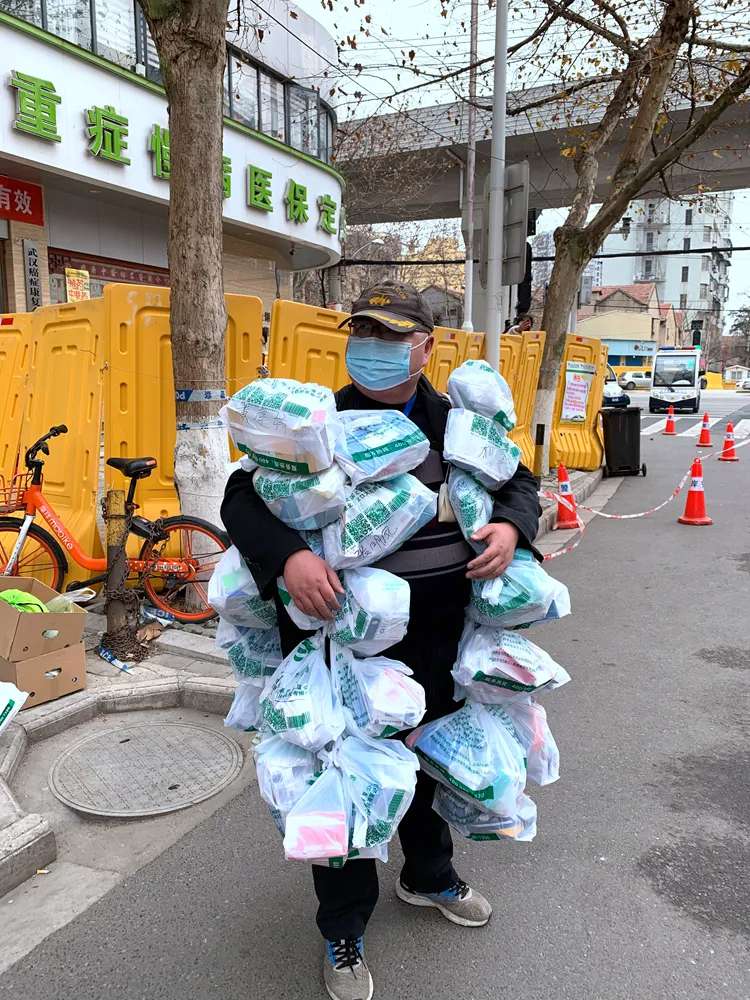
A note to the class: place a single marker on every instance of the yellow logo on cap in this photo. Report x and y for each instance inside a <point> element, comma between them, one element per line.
<point>408,324</point>
<point>379,300</point>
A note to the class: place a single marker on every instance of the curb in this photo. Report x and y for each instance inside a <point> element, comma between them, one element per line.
<point>27,841</point>
<point>581,492</point>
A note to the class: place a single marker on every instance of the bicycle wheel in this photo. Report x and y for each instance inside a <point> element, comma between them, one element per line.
<point>41,556</point>
<point>202,545</point>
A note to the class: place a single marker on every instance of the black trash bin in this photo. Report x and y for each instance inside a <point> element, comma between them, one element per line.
<point>622,441</point>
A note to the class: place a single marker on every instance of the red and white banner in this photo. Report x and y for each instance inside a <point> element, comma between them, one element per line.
<point>21,201</point>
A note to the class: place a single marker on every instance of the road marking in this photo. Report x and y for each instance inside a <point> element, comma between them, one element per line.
<point>695,430</point>
<point>742,430</point>
<point>656,428</point>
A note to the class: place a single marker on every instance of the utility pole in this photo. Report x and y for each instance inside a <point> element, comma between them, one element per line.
<point>493,324</point>
<point>471,161</point>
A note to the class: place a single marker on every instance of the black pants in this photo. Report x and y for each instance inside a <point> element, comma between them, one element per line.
<point>347,896</point>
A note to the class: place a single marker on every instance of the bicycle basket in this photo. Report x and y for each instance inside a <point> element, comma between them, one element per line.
<point>12,490</point>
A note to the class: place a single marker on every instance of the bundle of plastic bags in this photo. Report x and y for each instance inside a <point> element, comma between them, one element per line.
<point>373,612</point>
<point>494,663</point>
<point>477,753</point>
<point>298,701</point>
<point>377,520</point>
<point>471,503</point>
<point>523,595</point>
<point>477,824</point>
<point>303,502</point>
<point>232,593</point>
<point>477,386</point>
<point>379,444</point>
<point>480,446</point>
<point>252,652</point>
<point>285,425</point>
<point>378,695</point>
<point>245,712</point>
<point>529,720</point>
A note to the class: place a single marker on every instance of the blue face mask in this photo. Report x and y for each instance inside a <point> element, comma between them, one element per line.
<point>379,364</point>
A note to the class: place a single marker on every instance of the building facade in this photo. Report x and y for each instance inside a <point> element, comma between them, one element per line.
<point>84,152</point>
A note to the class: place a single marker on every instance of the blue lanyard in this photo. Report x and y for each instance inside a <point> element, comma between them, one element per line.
<point>409,405</point>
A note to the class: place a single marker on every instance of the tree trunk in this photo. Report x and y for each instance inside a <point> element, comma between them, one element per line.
<point>570,259</point>
<point>190,39</point>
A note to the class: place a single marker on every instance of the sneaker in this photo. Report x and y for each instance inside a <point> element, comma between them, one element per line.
<point>345,971</point>
<point>460,903</point>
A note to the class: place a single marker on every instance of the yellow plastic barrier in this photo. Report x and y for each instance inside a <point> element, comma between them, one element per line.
<point>524,391</point>
<point>575,441</point>
<point>510,358</point>
<point>306,344</point>
<point>450,350</point>
<point>475,346</point>
<point>15,353</point>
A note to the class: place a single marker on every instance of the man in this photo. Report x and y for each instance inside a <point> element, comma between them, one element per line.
<point>523,323</point>
<point>389,345</point>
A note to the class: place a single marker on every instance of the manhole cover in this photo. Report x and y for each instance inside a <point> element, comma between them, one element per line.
<point>145,770</point>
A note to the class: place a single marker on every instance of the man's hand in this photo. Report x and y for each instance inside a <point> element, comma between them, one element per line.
<point>501,542</point>
<point>312,584</point>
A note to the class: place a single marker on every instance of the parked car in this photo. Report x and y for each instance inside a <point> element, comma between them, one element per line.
<point>635,380</point>
<point>613,394</point>
<point>744,385</point>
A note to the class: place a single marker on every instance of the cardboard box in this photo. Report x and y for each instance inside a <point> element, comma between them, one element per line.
<point>24,635</point>
<point>49,676</point>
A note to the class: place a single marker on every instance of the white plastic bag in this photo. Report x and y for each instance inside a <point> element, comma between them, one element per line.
<point>232,593</point>
<point>284,425</point>
<point>477,386</point>
<point>244,712</point>
<point>303,502</point>
<point>471,504</point>
<point>11,702</point>
<point>379,444</point>
<point>529,720</point>
<point>523,595</point>
<point>476,824</point>
<point>378,519</point>
<point>476,754</point>
<point>373,612</point>
<point>317,825</point>
<point>285,772</point>
<point>379,696</point>
<point>252,652</point>
<point>480,446</point>
<point>493,664</point>
<point>380,777</point>
<point>298,702</point>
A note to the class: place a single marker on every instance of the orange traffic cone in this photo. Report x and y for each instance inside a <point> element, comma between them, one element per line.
<point>728,454</point>
<point>567,516</point>
<point>669,429</point>
<point>695,505</point>
<point>704,441</point>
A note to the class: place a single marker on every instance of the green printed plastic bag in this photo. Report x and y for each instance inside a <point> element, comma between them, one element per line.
<point>379,444</point>
<point>471,504</point>
<point>480,446</point>
<point>232,593</point>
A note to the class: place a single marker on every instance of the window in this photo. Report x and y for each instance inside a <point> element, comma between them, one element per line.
<point>685,273</point>
<point>704,291</point>
<point>704,262</point>
<point>686,243</point>
<point>325,122</point>
<point>28,10</point>
<point>706,234</point>
<point>648,267</point>
<point>271,106</point>
<point>70,20</point>
<point>650,212</point>
<point>649,241</point>
<point>683,301</point>
<point>688,216</point>
<point>303,119</point>
<point>115,31</point>
<point>243,90</point>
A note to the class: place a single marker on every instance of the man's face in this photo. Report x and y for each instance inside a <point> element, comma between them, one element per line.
<point>421,343</point>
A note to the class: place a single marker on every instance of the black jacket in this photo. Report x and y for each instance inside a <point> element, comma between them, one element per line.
<point>266,543</point>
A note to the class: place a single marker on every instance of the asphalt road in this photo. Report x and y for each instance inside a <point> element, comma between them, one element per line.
<point>638,884</point>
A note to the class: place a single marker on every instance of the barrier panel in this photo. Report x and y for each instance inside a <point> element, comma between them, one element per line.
<point>475,347</point>
<point>306,344</point>
<point>510,358</point>
<point>575,440</point>
<point>450,350</point>
<point>15,353</point>
<point>524,391</point>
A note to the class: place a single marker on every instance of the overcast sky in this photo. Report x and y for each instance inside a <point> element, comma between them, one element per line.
<point>415,32</point>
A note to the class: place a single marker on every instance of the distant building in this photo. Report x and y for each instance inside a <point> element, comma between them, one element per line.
<point>630,320</point>
<point>543,245</point>
<point>447,306</point>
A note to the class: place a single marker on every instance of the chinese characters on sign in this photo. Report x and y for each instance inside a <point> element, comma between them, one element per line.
<point>32,275</point>
<point>77,284</point>
<point>21,201</point>
<point>578,378</point>
<point>107,130</point>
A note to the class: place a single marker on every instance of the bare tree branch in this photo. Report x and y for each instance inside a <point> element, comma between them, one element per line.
<point>574,88</point>
<point>621,22</point>
<point>618,41</point>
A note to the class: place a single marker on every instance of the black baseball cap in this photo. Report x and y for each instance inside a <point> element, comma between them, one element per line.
<point>400,308</point>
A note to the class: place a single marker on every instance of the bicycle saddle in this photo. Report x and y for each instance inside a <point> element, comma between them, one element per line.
<point>133,468</point>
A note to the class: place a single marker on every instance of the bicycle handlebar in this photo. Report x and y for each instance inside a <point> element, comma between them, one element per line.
<point>41,445</point>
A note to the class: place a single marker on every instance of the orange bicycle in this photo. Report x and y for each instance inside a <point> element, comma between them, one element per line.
<point>177,555</point>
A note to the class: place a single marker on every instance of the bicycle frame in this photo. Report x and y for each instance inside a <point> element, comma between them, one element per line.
<point>35,501</point>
